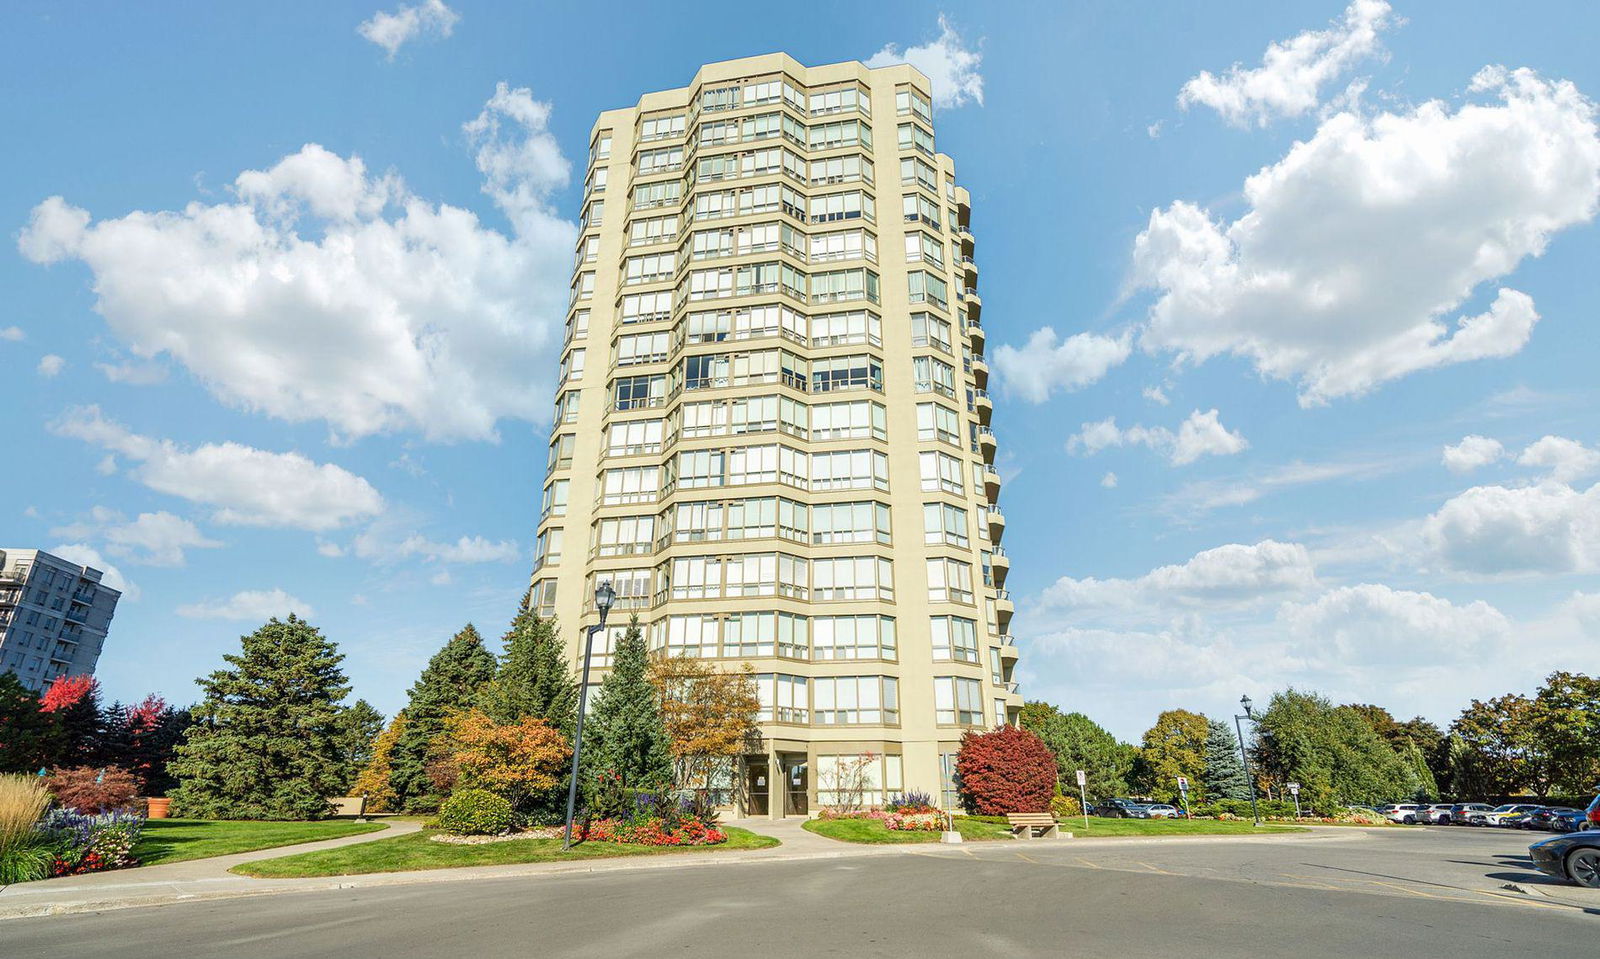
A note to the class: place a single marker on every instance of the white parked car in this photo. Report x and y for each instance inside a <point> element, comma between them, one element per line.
<point>1161,810</point>
<point>1436,813</point>
<point>1495,816</point>
<point>1405,812</point>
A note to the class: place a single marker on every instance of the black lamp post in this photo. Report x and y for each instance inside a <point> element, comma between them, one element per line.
<point>1245,754</point>
<point>604,596</point>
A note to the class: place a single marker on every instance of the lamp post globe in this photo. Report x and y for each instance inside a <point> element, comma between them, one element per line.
<point>1246,702</point>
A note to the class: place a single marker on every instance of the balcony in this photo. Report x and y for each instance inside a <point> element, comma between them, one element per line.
<point>1001,563</point>
<point>987,443</point>
<point>991,481</point>
<point>984,405</point>
<point>975,332</point>
<point>980,371</point>
<point>1009,652</point>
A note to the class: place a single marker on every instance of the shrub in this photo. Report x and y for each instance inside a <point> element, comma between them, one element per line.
<point>1005,771</point>
<point>912,800</point>
<point>475,812</point>
<point>520,761</point>
<point>23,856</point>
<point>89,789</point>
<point>1065,807</point>
<point>79,842</point>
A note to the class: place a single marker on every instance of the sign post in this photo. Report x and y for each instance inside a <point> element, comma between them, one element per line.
<point>1294,790</point>
<point>1083,797</point>
<point>1183,794</point>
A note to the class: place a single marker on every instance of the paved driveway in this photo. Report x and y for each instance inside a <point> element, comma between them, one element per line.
<point>1338,894</point>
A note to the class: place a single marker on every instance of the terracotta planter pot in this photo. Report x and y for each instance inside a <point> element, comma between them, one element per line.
<point>157,808</point>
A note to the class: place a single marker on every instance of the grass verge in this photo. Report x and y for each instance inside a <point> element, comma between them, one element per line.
<point>179,840</point>
<point>416,851</point>
<point>873,830</point>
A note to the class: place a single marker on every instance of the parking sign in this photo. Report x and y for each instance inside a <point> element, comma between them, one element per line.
<point>1294,789</point>
<point>1082,779</point>
<point>1183,784</point>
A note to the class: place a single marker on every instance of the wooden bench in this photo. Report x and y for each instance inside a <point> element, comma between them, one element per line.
<point>1024,823</point>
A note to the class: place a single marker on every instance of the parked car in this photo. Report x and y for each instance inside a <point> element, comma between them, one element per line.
<point>1115,808</point>
<point>1593,812</point>
<point>1575,821</point>
<point>1470,813</point>
<point>1401,812</point>
<point>1574,857</point>
<point>1159,810</point>
<point>1512,811</point>
<point>1438,814</point>
<point>1540,818</point>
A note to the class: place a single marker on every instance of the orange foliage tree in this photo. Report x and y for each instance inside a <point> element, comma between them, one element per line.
<point>709,715</point>
<point>519,760</point>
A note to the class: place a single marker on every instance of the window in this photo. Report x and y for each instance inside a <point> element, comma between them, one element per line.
<point>839,101</point>
<point>938,423</point>
<point>583,286</point>
<point>646,307</point>
<point>648,196</point>
<point>652,230</point>
<point>833,523</point>
<point>852,205</point>
<point>996,672</point>
<point>930,330</point>
<point>915,172</point>
<point>908,101</point>
<point>640,392</point>
<point>926,288</point>
<point>693,636</point>
<point>859,780</point>
<point>918,208</point>
<point>624,535</point>
<point>920,247</point>
<point>839,700</point>
<point>697,469</point>
<point>954,638</point>
<point>650,268</point>
<point>567,406</point>
<point>852,637</point>
<point>637,484</point>
<point>594,213</point>
<point>597,181</point>
<point>957,700</point>
<point>547,548</point>
<point>849,469</point>
<point>933,376</point>
<point>643,348</point>
<point>844,245</point>
<point>943,524</point>
<point>784,698</point>
<point>853,420</point>
<point>842,285</point>
<point>555,499</point>
<point>841,133</point>
<point>572,366</point>
<point>840,170</point>
<point>749,635</point>
<point>861,371</point>
<point>852,577</point>
<point>588,249</point>
<point>912,136</point>
<point>600,149</point>
<point>766,574</point>
<point>633,437</point>
<point>842,329</point>
<point>663,160</point>
<point>949,581</point>
<point>561,452</point>
<point>940,471</point>
<point>661,128</point>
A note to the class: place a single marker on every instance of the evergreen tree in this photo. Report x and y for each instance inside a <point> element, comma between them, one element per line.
<point>1078,742</point>
<point>1224,777</point>
<point>142,739</point>
<point>532,678</point>
<point>265,741</point>
<point>452,680</point>
<point>629,737</point>
<point>28,736</point>
<point>359,726</point>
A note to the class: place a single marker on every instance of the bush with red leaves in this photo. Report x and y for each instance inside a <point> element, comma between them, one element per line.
<point>1004,771</point>
<point>93,789</point>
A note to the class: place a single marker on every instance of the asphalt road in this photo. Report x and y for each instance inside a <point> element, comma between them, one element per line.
<point>1414,893</point>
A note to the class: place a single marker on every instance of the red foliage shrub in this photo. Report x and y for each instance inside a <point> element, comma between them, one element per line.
<point>1008,770</point>
<point>93,789</point>
<point>66,691</point>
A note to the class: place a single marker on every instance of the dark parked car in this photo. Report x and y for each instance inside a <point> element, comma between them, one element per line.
<point>1575,821</point>
<point>1116,808</point>
<point>1574,857</point>
<point>1540,818</point>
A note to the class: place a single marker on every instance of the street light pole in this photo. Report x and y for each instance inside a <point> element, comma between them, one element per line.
<point>1244,754</point>
<point>604,596</point>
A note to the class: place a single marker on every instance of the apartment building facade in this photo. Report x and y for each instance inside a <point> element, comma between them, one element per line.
<point>54,615</point>
<point>772,431</point>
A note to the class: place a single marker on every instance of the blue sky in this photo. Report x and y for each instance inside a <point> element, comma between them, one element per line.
<point>248,372</point>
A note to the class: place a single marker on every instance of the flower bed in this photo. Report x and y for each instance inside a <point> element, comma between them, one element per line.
<point>654,832</point>
<point>914,822</point>
<point>82,843</point>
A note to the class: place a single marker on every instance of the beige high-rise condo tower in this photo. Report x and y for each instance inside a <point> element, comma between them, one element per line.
<point>771,427</point>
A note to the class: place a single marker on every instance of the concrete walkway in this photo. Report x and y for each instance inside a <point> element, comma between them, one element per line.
<point>206,879</point>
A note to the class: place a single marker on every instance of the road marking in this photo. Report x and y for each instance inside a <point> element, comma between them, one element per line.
<point>1161,872</point>
<point>1090,864</point>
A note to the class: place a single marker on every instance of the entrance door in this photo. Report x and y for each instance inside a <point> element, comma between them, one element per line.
<point>796,777</point>
<point>758,786</point>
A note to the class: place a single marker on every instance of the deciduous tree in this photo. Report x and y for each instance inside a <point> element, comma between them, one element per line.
<point>1004,771</point>
<point>1175,746</point>
<point>522,761</point>
<point>709,716</point>
<point>373,780</point>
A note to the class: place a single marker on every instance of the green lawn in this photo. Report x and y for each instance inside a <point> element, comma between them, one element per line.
<point>873,830</point>
<point>416,851</point>
<point>177,840</point>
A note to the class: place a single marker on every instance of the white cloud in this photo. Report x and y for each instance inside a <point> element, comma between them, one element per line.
<point>1356,245</point>
<point>330,550</point>
<point>1497,530</point>
<point>85,555</point>
<point>1230,574</point>
<point>133,373</point>
<point>380,544</point>
<point>1292,73</point>
<point>245,485</point>
<point>253,604</point>
<point>13,334</point>
<point>1566,460</point>
<point>1156,395</point>
<point>1202,434</point>
<point>950,66</point>
<point>1046,364</point>
<point>421,316</point>
<point>1109,481</point>
<point>391,31</point>
<point>1471,453</point>
<point>1374,625</point>
<point>156,539</point>
<point>50,365</point>
<point>1205,495</point>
